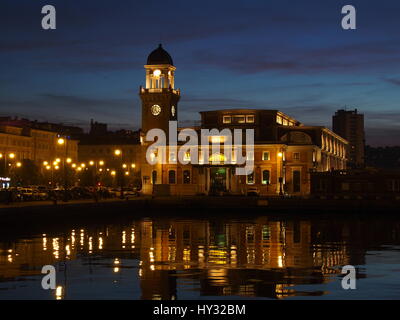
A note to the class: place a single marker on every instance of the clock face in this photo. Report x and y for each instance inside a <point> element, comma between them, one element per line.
<point>173,111</point>
<point>155,110</point>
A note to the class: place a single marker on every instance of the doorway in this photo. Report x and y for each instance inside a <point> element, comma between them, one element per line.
<point>217,180</point>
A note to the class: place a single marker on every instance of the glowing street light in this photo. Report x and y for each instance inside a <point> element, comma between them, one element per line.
<point>19,164</point>
<point>45,163</point>
<point>61,141</point>
<point>69,160</point>
<point>117,152</point>
<point>101,162</point>
<point>11,155</point>
<point>91,163</point>
<point>133,166</point>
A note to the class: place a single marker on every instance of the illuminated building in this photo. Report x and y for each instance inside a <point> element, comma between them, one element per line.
<point>285,150</point>
<point>35,141</point>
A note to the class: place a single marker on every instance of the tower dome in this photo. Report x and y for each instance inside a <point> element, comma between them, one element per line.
<point>159,56</point>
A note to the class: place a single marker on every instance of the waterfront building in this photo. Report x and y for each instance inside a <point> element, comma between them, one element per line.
<point>285,150</point>
<point>110,154</point>
<point>373,184</point>
<point>21,139</point>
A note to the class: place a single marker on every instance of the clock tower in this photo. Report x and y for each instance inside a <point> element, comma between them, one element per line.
<point>159,96</point>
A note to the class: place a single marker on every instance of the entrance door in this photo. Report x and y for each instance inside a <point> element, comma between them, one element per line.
<point>217,180</point>
<point>296,181</point>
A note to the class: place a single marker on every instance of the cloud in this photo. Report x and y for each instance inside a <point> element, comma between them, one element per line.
<point>396,82</point>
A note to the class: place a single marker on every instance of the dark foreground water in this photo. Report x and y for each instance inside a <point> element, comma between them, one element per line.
<point>216,258</point>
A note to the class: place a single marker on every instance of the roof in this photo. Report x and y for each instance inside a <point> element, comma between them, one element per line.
<point>159,56</point>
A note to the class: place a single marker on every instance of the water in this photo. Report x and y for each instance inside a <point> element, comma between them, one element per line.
<point>217,258</point>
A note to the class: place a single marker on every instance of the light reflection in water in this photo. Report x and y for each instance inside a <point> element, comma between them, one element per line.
<point>262,257</point>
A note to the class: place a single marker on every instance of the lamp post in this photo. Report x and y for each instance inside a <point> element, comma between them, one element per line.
<point>11,155</point>
<point>282,159</point>
<point>118,153</point>
<point>62,141</point>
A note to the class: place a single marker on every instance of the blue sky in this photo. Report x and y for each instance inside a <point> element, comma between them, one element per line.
<point>287,55</point>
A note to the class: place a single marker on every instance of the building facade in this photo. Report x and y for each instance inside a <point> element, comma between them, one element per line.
<point>349,124</point>
<point>19,141</point>
<point>284,150</point>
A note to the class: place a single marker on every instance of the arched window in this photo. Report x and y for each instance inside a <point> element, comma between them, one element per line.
<point>186,176</point>
<point>171,177</point>
<point>266,177</point>
<point>154,177</point>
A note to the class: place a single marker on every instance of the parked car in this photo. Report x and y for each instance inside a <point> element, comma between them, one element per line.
<point>25,194</point>
<point>253,191</point>
<point>129,192</point>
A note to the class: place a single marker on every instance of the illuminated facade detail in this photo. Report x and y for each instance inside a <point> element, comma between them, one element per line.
<point>155,110</point>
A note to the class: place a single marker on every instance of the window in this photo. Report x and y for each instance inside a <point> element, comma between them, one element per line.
<point>186,157</point>
<point>250,178</point>
<point>240,119</point>
<point>154,177</point>
<point>171,177</point>
<point>266,156</point>
<point>296,181</point>
<point>279,119</point>
<point>296,156</point>
<point>266,233</point>
<point>265,177</point>
<point>250,119</point>
<point>172,156</point>
<point>250,156</point>
<point>186,177</point>
<point>227,119</point>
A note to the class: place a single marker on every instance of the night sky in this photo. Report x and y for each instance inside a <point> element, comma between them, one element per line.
<point>287,55</point>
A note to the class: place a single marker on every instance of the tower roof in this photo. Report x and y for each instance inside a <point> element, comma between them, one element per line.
<point>159,56</point>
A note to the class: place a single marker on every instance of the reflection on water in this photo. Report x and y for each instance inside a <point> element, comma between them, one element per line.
<point>190,259</point>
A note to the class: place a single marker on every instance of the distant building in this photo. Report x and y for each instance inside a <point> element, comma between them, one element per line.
<point>97,149</point>
<point>350,125</point>
<point>356,184</point>
<point>31,140</point>
<point>383,157</point>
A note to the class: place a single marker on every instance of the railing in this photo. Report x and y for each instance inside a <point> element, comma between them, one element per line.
<point>160,90</point>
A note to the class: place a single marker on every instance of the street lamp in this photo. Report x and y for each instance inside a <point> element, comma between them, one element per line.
<point>62,141</point>
<point>6,156</point>
<point>118,153</point>
<point>281,155</point>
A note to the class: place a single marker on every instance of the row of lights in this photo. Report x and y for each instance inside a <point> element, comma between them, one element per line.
<point>10,156</point>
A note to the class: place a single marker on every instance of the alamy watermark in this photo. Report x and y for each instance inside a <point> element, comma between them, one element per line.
<point>349,280</point>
